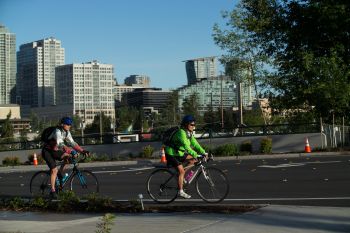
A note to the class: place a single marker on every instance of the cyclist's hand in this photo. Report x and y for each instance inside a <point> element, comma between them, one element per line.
<point>73,153</point>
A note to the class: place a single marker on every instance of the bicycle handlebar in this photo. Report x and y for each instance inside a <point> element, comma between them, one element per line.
<point>205,159</point>
<point>74,160</point>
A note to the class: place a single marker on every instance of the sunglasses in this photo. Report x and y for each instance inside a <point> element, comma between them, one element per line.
<point>192,124</point>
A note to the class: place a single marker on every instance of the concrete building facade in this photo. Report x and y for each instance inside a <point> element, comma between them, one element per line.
<point>138,80</point>
<point>120,90</point>
<point>216,92</point>
<point>149,99</point>
<point>7,66</point>
<point>200,68</point>
<point>88,87</point>
<point>36,63</point>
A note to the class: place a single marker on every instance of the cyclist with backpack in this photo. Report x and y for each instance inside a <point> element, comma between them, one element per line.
<point>182,147</point>
<point>59,145</point>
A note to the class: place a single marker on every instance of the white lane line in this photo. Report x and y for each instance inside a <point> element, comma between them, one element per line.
<point>254,199</point>
<point>296,164</point>
<point>323,162</point>
<point>283,165</point>
<point>127,170</point>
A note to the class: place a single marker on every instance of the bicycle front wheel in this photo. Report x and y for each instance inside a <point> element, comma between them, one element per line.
<point>40,184</point>
<point>162,186</point>
<point>212,185</point>
<point>84,183</point>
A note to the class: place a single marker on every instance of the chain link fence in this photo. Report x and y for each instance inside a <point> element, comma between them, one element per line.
<point>334,136</point>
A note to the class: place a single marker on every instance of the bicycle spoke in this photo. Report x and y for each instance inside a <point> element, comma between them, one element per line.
<point>84,183</point>
<point>212,185</point>
<point>40,184</point>
<point>162,186</point>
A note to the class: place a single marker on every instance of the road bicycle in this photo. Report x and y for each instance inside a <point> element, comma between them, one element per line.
<point>211,183</point>
<point>81,182</point>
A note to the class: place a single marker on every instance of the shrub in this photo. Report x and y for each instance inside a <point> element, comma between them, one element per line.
<point>97,203</point>
<point>147,151</point>
<point>68,201</point>
<point>16,203</point>
<point>246,147</point>
<point>11,161</point>
<point>208,149</point>
<point>39,202</point>
<point>102,158</point>
<point>226,150</point>
<point>266,146</point>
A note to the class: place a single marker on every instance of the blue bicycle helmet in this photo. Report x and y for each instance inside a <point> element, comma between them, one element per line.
<point>66,121</point>
<point>187,119</point>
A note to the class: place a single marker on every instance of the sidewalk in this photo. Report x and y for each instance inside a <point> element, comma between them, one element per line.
<point>272,219</point>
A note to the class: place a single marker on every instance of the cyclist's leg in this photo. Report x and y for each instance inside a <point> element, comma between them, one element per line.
<point>174,162</point>
<point>182,171</point>
<point>51,163</point>
<point>190,161</point>
<point>65,158</point>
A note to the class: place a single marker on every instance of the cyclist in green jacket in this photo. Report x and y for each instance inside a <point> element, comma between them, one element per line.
<point>184,147</point>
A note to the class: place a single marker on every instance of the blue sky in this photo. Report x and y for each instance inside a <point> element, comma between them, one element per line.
<point>150,37</point>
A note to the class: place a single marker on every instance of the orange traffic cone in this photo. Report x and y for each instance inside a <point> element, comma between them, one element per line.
<point>162,158</point>
<point>35,160</point>
<point>307,146</point>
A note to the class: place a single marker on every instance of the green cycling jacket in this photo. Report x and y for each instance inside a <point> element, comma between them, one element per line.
<point>186,144</point>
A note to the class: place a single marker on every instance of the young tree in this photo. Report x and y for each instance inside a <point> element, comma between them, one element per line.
<point>7,128</point>
<point>244,59</point>
<point>190,107</point>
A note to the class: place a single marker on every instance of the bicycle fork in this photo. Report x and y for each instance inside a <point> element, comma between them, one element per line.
<point>82,179</point>
<point>207,177</point>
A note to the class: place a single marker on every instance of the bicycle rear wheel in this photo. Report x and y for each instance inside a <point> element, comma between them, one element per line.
<point>162,186</point>
<point>212,185</point>
<point>40,184</point>
<point>84,183</point>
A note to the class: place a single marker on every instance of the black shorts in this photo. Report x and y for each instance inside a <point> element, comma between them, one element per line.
<point>175,161</point>
<point>50,157</point>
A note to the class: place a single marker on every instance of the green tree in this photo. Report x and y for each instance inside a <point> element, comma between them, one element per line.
<point>7,128</point>
<point>243,58</point>
<point>95,126</point>
<point>126,117</point>
<point>309,44</point>
<point>171,114</point>
<point>190,107</point>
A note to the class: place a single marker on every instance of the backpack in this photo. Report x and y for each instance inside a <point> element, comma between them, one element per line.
<point>167,136</point>
<point>46,133</point>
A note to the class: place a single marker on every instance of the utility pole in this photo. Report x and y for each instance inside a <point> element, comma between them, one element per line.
<point>240,107</point>
<point>101,141</point>
<point>222,106</point>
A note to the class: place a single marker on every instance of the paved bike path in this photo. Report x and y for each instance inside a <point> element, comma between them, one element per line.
<point>272,219</point>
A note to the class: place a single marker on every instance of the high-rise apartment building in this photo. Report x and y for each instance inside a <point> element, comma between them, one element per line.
<point>88,87</point>
<point>199,68</point>
<point>215,92</point>
<point>36,63</point>
<point>7,66</point>
<point>137,80</point>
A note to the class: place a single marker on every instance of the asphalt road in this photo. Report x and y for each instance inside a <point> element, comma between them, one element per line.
<point>313,180</point>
